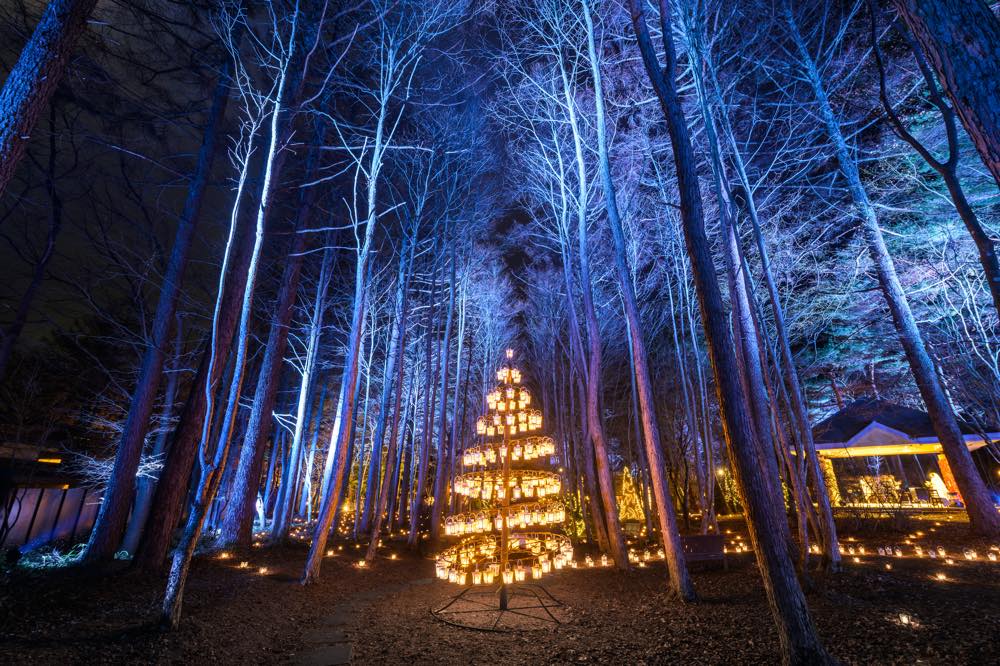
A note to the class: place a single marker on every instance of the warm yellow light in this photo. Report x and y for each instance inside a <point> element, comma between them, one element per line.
<point>50,461</point>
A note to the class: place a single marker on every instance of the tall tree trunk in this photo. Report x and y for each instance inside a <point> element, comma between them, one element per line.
<point>797,635</point>
<point>595,424</point>
<point>393,379</point>
<point>423,460</point>
<point>172,487</point>
<point>114,511</point>
<point>337,456</point>
<point>679,579</point>
<point>34,78</point>
<point>983,516</point>
<point>212,467</point>
<point>441,468</point>
<point>395,369</point>
<point>237,521</point>
<point>962,40</point>
<point>146,485</point>
<point>587,454</point>
<point>285,509</point>
<point>307,500</point>
<point>800,417</point>
<point>398,500</point>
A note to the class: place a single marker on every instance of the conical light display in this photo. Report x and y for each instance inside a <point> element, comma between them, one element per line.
<point>514,502</point>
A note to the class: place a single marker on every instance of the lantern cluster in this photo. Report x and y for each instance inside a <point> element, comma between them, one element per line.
<point>516,422</point>
<point>528,449</point>
<point>521,516</point>
<point>509,375</point>
<point>508,399</point>
<point>531,555</point>
<point>489,485</point>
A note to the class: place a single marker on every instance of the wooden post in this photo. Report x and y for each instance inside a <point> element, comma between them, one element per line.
<point>504,508</point>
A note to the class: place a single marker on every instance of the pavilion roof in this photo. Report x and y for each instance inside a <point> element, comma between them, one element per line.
<point>859,414</point>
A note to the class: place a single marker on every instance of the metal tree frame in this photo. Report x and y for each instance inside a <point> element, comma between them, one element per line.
<point>499,606</point>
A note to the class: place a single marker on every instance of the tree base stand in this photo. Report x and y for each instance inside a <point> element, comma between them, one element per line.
<point>507,608</point>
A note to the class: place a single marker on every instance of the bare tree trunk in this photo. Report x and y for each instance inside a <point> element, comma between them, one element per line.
<point>34,78</point>
<point>337,456</point>
<point>799,641</point>
<point>595,424</point>
<point>172,487</point>
<point>591,489</point>
<point>460,398</point>
<point>423,460</point>
<point>114,511</point>
<point>237,521</point>
<point>392,379</point>
<point>307,496</point>
<point>212,466</point>
<point>645,478</point>
<point>441,468</point>
<point>395,367</point>
<point>703,476</point>
<point>146,485</point>
<point>962,40</point>
<point>397,500</point>
<point>680,581</point>
<point>285,508</point>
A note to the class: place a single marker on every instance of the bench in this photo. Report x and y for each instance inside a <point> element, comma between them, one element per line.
<point>705,548</point>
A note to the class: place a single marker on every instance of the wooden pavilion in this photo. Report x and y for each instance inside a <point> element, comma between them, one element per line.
<point>888,454</point>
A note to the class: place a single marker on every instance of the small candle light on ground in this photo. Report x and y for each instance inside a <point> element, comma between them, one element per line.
<point>262,571</point>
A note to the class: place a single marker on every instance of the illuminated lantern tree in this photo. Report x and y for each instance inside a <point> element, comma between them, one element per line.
<point>506,533</point>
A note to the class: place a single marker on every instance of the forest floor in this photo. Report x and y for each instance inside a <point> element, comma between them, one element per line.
<point>231,615</point>
<point>867,614</point>
<point>627,618</point>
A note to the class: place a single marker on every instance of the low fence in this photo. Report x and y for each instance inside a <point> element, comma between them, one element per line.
<point>40,515</point>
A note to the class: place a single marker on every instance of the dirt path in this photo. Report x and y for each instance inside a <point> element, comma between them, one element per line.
<point>330,642</point>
